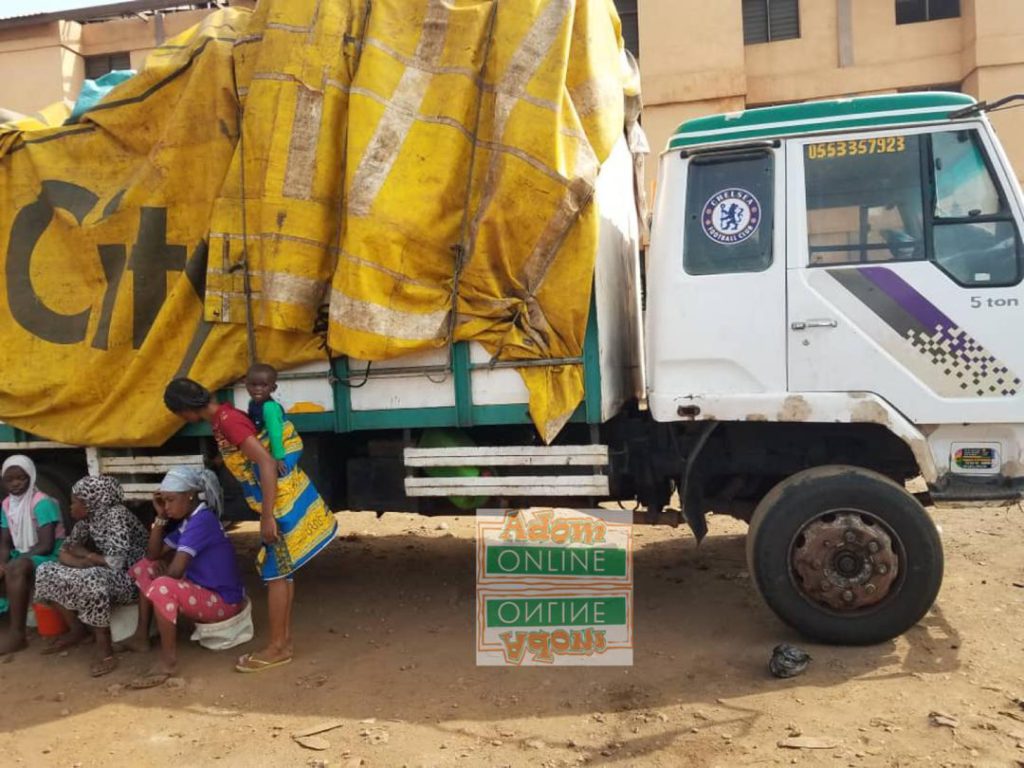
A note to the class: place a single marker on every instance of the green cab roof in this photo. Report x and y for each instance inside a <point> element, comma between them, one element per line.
<point>818,116</point>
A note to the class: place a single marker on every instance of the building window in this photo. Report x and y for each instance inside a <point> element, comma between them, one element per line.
<point>942,88</point>
<point>765,21</point>
<point>630,25</point>
<point>97,66</point>
<point>913,11</point>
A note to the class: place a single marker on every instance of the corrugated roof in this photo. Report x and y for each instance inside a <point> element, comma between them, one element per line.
<point>32,11</point>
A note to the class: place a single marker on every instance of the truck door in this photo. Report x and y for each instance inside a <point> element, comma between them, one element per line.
<point>716,277</point>
<point>905,272</point>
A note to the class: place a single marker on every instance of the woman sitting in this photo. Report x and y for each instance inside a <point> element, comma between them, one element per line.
<point>190,571</point>
<point>91,576</point>
<point>30,535</point>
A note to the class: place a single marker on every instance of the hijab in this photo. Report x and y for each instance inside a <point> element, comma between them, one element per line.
<point>204,481</point>
<point>98,493</point>
<point>20,519</point>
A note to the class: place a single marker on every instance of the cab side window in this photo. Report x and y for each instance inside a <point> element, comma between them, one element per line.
<point>975,239</point>
<point>864,201</point>
<point>729,213</point>
<point>911,198</point>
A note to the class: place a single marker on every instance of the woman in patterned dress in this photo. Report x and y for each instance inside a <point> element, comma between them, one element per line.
<point>91,575</point>
<point>295,523</point>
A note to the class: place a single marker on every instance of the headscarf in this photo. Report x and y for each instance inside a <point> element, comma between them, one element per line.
<point>184,479</point>
<point>22,524</point>
<point>99,493</point>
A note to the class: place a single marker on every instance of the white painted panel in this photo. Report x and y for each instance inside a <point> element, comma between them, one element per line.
<point>509,456</point>
<point>721,334</point>
<point>497,386</point>
<point>541,485</point>
<point>862,352</point>
<point>403,390</point>
<point>617,283</point>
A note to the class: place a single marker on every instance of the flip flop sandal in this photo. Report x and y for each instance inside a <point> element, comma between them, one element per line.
<point>249,663</point>
<point>152,680</point>
<point>103,666</point>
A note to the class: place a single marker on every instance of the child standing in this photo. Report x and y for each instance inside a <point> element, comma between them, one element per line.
<point>265,412</point>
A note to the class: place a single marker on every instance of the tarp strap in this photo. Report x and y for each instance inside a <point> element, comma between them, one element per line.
<point>250,330</point>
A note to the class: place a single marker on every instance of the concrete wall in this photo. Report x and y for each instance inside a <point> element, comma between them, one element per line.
<point>33,67</point>
<point>44,63</point>
<point>693,62</point>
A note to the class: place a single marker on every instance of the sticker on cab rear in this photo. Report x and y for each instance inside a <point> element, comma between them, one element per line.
<point>731,216</point>
<point>975,459</point>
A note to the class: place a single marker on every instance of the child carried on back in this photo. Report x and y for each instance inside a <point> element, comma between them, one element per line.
<point>264,411</point>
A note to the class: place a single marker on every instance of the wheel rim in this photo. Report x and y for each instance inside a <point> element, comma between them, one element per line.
<point>846,560</point>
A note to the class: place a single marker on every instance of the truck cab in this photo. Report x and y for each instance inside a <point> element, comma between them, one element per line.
<point>833,294</point>
<point>847,261</point>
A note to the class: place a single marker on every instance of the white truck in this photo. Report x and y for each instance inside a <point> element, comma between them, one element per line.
<point>831,290</point>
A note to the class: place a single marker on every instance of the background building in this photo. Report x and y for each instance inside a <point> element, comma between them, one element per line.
<point>49,47</point>
<point>699,57</point>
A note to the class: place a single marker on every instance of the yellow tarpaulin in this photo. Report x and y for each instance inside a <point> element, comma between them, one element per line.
<point>392,158</point>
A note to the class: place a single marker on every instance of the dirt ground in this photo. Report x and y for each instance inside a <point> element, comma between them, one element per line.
<point>384,636</point>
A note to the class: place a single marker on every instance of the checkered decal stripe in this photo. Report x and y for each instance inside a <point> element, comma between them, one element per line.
<point>953,352</point>
<point>960,356</point>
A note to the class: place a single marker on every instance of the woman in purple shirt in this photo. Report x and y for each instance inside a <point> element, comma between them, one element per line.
<point>189,570</point>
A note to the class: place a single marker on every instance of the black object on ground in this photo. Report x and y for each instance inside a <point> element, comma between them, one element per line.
<point>788,661</point>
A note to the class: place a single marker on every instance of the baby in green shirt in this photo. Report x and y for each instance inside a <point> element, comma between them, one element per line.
<point>264,411</point>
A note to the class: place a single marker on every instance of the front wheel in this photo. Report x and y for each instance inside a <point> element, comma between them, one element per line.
<point>844,555</point>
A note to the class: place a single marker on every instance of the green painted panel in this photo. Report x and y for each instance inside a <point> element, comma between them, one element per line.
<point>202,429</point>
<point>403,418</point>
<point>592,366</point>
<point>812,117</point>
<point>463,385</point>
<point>342,397</point>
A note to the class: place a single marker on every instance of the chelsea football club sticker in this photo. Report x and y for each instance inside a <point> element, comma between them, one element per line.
<point>731,216</point>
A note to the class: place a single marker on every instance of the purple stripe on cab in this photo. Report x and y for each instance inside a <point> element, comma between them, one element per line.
<point>926,313</point>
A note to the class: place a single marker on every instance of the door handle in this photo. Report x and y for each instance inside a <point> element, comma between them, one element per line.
<point>803,325</point>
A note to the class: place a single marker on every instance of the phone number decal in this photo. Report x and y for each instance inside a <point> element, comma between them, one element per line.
<point>886,145</point>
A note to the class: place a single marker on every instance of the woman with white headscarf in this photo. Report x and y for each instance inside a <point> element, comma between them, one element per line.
<point>30,535</point>
<point>189,570</point>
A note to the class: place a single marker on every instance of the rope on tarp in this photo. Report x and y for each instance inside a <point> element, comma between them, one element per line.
<point>461,249</point>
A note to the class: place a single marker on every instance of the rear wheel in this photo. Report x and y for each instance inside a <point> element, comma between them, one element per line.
<point>845,555</point>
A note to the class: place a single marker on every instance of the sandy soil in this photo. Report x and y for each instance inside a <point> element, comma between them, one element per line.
<point>384,635</point>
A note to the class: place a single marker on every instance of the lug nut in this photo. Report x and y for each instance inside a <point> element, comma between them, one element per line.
<point>873,547</point>
<point>882,569</point>
<point>870,588</point>
<point>826,585</point>
<point>848,596</point>
<point>850,537</point>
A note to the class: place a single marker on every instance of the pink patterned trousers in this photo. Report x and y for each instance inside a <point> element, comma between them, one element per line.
<point>171,597</point>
